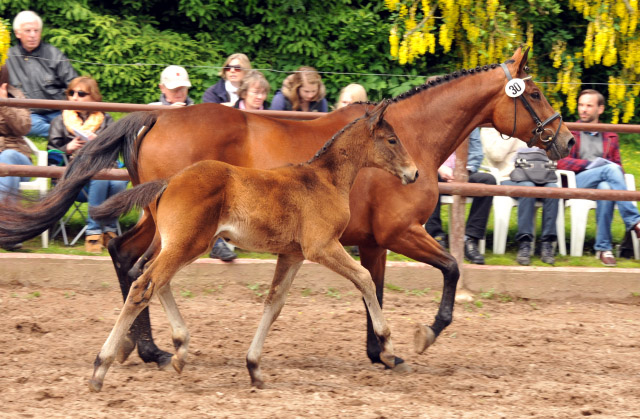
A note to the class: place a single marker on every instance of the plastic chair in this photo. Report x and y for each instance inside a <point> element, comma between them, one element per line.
<point>502,206</point>
<point>40,184</point>
<point>580,211</point>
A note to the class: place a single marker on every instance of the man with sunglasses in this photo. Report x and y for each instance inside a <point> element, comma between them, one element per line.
<point>39,69</point>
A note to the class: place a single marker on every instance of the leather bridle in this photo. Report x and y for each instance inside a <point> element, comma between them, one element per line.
<point>548,141</point>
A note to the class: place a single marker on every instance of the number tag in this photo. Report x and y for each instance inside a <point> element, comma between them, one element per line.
<point>514,88</point>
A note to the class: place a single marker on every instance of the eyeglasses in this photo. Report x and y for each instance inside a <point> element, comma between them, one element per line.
<point>80,93</point>
<point>233,67</point>
<point>259,93</point>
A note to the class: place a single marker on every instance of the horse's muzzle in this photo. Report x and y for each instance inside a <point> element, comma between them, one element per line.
<point>409,176</point>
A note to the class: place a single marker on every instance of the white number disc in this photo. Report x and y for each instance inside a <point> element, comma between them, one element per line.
<point>515,87</point>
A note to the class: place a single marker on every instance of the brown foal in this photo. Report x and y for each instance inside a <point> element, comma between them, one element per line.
<point>297,211</point>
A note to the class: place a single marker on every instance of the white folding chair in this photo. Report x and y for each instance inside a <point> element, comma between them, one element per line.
<point>40,184</point>
<point>502,206</point>
<point>580,211</point>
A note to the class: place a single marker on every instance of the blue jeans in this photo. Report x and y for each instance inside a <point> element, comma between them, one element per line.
<point>99,191</point>
<point>527,212</point>
<point>9,184</point>
<point>40,123</point>
<point>609,176</point>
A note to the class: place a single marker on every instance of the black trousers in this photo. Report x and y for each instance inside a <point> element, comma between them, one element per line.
<point>476,226</point>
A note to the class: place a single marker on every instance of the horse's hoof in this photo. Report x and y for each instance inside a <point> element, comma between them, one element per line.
<point>125,349</point>
<point>464,296</point>
<point>164,361</point>
<point>402,368</point>
<point>178,364</point>
<point>259,384</point>
<point>423,338</point>
<point>95,385</point>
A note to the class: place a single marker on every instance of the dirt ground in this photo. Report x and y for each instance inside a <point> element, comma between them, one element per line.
<point>499,358</point>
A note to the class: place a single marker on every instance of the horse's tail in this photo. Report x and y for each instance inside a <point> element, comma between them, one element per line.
<point>139,197</point>
<point>20,221</point>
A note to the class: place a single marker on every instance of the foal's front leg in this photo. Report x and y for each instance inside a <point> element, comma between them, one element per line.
<point>334,257</point>
<point>286,269</point>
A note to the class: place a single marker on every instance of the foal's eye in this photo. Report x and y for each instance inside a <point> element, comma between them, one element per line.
<point>392,141</point>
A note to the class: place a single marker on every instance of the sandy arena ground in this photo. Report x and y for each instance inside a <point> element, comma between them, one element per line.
<point>499,358</point>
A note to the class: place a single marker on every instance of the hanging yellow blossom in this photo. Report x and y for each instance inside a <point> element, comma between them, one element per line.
<point>5,42</point>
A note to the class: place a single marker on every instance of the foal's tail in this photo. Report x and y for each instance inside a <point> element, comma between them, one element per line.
<point>20,221</point>
<point>140,197</point>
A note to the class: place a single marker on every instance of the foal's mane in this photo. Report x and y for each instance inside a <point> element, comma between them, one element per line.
<point>328,144</point>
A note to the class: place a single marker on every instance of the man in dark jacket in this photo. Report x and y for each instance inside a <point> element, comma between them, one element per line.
<point>39,69</point>
<point>595,158</point>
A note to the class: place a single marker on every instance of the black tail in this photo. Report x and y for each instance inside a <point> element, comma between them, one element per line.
<point>139,197</point>
<point>20,221</point>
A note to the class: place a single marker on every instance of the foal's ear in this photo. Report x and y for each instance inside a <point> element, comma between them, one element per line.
<point>377,114</point>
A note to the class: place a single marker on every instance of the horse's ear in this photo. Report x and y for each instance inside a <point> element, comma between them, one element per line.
<point>377,114</point>
<point>523,61</point>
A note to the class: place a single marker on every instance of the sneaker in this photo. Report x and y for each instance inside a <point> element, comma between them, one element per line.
<point>222,252</point>
<point>442,241</point>
<point>93,243</point>
<point>524,253</point>
<point>606,257</point>
<point>547,253</point>
<point>471,252</point>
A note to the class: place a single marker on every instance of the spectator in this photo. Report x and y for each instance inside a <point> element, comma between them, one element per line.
<point>595,158</point>
<point>39,69</point>
<point>232,73</point>
<point>14,124</point>
<point>253,91</point>
<point>69,133</point>
<point>500,153</point>
<point>479,214</point>
<point>351,93</point>
<point>174,87</point>
<point>301,91</point>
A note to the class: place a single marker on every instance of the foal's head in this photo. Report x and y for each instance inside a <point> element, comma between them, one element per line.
<point>387,152</point>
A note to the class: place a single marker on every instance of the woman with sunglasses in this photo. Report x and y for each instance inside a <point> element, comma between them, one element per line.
<point>232,73</point>
<point>69,133</point>
<point>301,91</point>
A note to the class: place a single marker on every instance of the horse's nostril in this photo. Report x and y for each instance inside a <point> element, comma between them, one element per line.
<point>417,174</point>
<point>571,142</point>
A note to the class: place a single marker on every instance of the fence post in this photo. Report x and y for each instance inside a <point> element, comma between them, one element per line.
<point>456,241</point>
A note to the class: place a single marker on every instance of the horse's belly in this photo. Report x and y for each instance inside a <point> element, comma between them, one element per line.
<point>258,241</point>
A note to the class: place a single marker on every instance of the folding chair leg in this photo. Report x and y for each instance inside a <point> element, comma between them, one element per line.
<point>80,234</point>
<point>636,245</point>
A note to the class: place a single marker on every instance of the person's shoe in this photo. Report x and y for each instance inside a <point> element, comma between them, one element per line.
<point>606,257</point>
<point>93,243</point>
<point>442,241</point>
<point>222,252</point>
<point>547,253</point>
<point>107,236</point>
<point>471,252</point>
<point>524,253</point>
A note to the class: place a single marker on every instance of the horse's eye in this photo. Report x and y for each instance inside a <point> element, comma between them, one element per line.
<point>535,95</point>
<point>392,141</point>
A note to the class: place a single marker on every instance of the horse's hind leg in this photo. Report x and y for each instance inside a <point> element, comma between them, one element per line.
<point>125,251</point>
<point>179,331</point>
<point>286,269</point>
<point>338,260</point>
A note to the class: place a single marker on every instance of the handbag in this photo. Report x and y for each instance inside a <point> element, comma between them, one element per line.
<point>533,165</point>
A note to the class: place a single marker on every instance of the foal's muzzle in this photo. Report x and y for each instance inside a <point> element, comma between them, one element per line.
<point>409,175</point>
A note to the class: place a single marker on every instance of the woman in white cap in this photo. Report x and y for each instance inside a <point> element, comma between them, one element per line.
<point>174,85</point>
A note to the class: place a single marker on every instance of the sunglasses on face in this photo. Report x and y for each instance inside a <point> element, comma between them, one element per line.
<point>233,67</point>
<point>79,92</point>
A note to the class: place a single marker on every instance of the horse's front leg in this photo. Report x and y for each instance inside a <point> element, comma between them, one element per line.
<point>334,257</point>
<point>417,244</point>
<point>374,258</point>
<point>125,252</point>
<point>286,269</point>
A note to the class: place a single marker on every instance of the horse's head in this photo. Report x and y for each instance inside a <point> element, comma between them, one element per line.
<point>525,113</point>
<point>388,152</point>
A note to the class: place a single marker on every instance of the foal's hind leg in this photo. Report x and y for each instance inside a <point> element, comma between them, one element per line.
<point>125,251</point>
<point>338,260</point>
<point>180,333</point>
<point>286,269</point>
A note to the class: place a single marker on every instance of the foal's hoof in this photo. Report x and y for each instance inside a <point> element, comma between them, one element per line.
<point>95,385</point>
<point>402,368</point>
<point>178,364</point>
<point>259,384</point>
<point>423,338</point>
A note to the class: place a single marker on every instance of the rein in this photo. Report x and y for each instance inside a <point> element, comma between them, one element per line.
<point>540,125</point>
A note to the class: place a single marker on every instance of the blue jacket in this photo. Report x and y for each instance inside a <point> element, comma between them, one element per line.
<point>216,93</point>
<point>281,103</point>
<point>476,155</point>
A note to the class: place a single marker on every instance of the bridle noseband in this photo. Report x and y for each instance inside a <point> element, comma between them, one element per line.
<point>548,141</point>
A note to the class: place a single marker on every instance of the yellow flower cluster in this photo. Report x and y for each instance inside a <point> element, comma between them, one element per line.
<point>5,42</point>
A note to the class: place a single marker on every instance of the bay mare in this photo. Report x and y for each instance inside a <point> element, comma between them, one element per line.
<point>297,211</point>
<point>432,121</point>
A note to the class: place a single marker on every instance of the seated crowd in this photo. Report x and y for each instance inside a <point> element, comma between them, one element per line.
<point>243,88</point>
